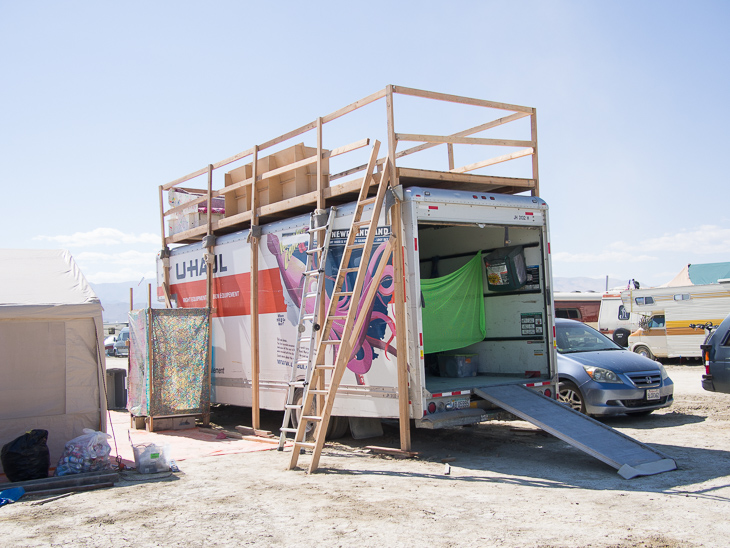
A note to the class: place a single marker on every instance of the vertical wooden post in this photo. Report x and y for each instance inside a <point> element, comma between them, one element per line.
<point>209,261</point>
<point>149,366</point>
<point>162,218</point>
<point>209,249</point>
<point>450,149</point>
<point>254,241</point>
<point>399,283</point>
<point>535,174</point>
<point>320,181</point>
<point>165,255</point>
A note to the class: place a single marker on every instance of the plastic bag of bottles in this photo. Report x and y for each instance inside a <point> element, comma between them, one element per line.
<point>88,452</point>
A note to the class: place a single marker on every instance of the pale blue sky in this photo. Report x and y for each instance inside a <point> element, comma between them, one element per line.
<point>103,102</point>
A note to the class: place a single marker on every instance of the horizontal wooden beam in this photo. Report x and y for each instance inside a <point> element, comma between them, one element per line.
<point>282,138</point>
<point>347,172</point>
<point>290,167</point>
<point>344,149</point>
<point>493,161</point>
<point>462,140</point>
<point>192,175</point>
<point>283,205</point>
<point>186,205</point>
<point>470,178</point>
<point>287,168</point>
<point>234,158</point>
<point>198,231</point>
<point>353,185</point>
<point>233,219</point>
<point>464,133</point>
<point>459,99</point>
<point>354,106</point>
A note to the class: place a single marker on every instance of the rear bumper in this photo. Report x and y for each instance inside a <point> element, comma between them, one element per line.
<point>707,383</point>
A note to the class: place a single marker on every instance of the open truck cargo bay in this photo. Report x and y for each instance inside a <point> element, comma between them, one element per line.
<point>472,262</point>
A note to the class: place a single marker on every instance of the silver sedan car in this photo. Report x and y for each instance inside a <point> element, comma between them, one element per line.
<point>599,377</point>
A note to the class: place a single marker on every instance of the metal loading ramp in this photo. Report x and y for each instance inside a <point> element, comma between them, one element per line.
<point>630,457</point>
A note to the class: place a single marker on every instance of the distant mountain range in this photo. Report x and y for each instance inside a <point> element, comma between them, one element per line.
<point>586,284</point>
<point>114,297</point>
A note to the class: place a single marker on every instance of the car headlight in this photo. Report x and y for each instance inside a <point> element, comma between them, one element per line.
<point>599,374</point>
<point>663,371</point>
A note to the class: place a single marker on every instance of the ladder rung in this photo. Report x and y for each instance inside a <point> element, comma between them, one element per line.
<point>312,273</point>
<point>356,246</point>
<point>287,429</point>
<point>305,339</point>
<point>367,201</point>
<point>318,392</point>
<point>310,418</point>
<point>343,293</point>
<point>350,269</point>
<point>324,366</point>
<point>308,317</point>
<point>361,223</point>
<point>311,445</point>
<point>323,227</point>
<point>298,384</point>
<point>331,341</point>
<point>310,294</point>
<point>292,406</point>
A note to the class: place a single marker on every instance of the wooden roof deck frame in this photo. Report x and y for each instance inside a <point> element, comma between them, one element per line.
<point>330,191</point>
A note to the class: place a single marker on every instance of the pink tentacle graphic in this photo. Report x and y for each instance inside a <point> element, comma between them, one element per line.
<point>365,345</point>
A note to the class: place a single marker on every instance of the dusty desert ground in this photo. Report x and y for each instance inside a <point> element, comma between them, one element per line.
<point>509,485</point>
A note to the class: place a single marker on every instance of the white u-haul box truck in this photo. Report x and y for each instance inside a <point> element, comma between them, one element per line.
<point>496,243</point>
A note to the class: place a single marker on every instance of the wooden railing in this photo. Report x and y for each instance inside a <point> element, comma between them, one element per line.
<point>326,190</point>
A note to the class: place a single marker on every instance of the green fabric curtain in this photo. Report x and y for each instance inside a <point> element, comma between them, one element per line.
<point>453,311</point>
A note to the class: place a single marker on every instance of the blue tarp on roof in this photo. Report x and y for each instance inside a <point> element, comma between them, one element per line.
<point>708,273</point>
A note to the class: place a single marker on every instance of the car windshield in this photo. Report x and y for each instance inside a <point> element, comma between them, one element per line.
<point>578,337</point>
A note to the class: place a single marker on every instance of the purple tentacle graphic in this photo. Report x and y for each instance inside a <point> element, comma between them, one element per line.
<point>293,279</point>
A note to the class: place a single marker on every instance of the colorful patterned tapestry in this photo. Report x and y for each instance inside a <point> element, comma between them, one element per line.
<point>176,354</point>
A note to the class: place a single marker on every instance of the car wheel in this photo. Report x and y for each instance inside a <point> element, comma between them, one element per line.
<point>644,351</point>
<point>569,394</point>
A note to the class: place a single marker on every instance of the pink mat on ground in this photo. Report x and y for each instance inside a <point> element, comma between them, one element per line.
<point>182,444</point>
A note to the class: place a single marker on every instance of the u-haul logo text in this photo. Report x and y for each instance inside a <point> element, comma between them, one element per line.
<point>196,267</point>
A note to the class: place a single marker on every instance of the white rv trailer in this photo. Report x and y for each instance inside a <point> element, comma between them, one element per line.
<point>663,315</point>
<point>443,230</point>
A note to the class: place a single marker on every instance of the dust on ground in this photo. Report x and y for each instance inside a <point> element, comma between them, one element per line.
<point>507,484</point>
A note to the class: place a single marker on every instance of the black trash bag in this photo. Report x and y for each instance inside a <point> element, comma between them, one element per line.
<point>27,456</point>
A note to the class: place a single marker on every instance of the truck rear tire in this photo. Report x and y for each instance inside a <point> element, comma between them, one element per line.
<point>336,429</point>
<point>644,351</point>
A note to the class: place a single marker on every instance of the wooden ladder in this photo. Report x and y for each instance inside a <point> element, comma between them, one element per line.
<point>320,414</point>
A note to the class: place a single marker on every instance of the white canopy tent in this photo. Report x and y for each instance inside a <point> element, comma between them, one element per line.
<point>51,348</point>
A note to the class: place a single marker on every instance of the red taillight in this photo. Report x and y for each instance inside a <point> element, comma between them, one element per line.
<point>431,407</point>
<point>548,392</point>
<point>707,369</point>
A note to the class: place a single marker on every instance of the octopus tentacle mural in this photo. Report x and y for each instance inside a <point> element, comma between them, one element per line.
<point>291,261</point>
